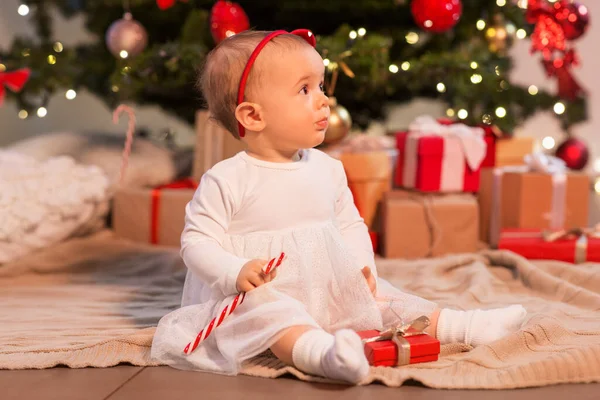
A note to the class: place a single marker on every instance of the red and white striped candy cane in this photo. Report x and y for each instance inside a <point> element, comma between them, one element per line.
<point>237,300</point>
<point>129,138</point>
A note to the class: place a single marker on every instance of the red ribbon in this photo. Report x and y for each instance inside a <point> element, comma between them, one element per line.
<point>568,87</point>
<point>186,183</point>
<point>549,37</point>
<point>537,8</point>
<point>14,80</point>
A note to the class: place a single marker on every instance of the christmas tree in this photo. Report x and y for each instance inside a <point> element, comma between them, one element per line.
<point>379,50</point>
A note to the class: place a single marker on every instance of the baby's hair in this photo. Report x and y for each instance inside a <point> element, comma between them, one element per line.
<point>223,68</point>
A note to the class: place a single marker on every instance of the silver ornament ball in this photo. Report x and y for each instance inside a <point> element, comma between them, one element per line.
<point>126,34</point>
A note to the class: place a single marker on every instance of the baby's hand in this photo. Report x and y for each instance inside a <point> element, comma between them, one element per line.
<point>252,276</point>
<point>370,279</point>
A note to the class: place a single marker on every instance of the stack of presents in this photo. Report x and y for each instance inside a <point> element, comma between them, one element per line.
<point>437,188</point>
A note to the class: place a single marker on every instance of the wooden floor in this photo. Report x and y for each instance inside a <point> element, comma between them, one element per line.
<point>132,383</point>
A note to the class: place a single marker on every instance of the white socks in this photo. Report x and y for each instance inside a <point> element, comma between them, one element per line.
<point>338,357</point>
<point>477,327</point>
<point>341,356</point>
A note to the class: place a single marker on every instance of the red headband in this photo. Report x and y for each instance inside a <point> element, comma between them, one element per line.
<point>303,33</point>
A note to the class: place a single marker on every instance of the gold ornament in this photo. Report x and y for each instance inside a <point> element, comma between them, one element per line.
<point>500,35</point>
<point>340,122</point>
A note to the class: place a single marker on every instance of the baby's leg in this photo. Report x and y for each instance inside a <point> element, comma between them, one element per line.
<point>477,327</point>
<point>314,351</point>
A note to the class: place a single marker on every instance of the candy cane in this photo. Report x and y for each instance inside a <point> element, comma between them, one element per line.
<point>237,300</point>
<point>129,140</point>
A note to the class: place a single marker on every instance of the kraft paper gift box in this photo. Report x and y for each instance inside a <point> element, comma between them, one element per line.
<point>368,162</point>
<point>439,157</point>
<point>527,198</point>
<point>155,216</point>
<point>213,144</point>
<point>511,151</point>
<point>503,150</point>
<point>418,225</point>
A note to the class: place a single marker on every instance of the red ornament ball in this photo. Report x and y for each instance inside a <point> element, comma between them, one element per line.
<point>573,17</point>
<point>436,15</point>
<point>227,19</point>
<point>574,153</point>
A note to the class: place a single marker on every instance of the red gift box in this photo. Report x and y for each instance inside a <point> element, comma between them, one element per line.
<point>492,133</point>
<point>433,157</point>
<point>534,245</point>
<point>384,353</point>
<point>490,140</point>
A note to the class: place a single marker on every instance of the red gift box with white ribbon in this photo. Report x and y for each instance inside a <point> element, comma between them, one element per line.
<point>437,157</point>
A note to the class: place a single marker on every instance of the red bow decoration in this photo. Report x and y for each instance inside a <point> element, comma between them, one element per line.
<point>165,4</point>
<point>537,8</point>
<point>568,87</point>
<point>549,38</point>
<point>14,80</point>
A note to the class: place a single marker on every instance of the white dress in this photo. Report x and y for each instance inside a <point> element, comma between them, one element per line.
<point>247,208</point>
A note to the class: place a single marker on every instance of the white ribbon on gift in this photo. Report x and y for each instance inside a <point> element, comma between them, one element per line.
<point>362,143</point>
<point>461,143</point>
<point>534,162</point>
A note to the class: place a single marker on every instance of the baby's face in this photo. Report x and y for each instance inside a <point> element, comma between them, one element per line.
<point>296,110</point>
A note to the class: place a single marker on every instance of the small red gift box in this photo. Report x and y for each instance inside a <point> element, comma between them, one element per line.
<point>421,348</point>
<point>491,135</point>
<point>560,246</point>
<point>437,162</point>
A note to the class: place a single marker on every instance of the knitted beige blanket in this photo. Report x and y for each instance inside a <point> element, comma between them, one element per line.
<point>94,302</point>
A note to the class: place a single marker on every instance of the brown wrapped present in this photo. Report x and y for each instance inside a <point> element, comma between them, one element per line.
<point>417,225</point>
<point>369,176</point>
<point>511,151</point>
<point>368,162</point>
<point>525,198</point>
<point>213,144</point>
<point>155,216</point>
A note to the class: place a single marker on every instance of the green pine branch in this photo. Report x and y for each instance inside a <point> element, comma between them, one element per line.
<point>179,38</point>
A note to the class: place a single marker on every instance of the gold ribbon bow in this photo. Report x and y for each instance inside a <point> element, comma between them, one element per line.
<point>580,234</point>
<point>398,335</point>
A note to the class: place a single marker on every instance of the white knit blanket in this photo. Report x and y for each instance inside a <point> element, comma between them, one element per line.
<point>45,202</point>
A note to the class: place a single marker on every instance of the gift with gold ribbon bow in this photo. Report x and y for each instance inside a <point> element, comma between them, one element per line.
<point>13,80</point>
<point>577,245</point>
<point>401,345</point>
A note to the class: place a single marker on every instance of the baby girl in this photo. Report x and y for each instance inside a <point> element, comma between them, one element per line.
<point>282,195</point>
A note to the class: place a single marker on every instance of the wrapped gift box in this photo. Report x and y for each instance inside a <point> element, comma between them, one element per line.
<point>369,177</point>
<point>213,144</point>
<point>531,200</point>
<point>511,151</point>
<point>504,151</point>
<point>437,157</point>
<point>417,225</point>
<point>534,245</point>
<point>423,348</point>
<point>155,216</point>
<point>368,163</point>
